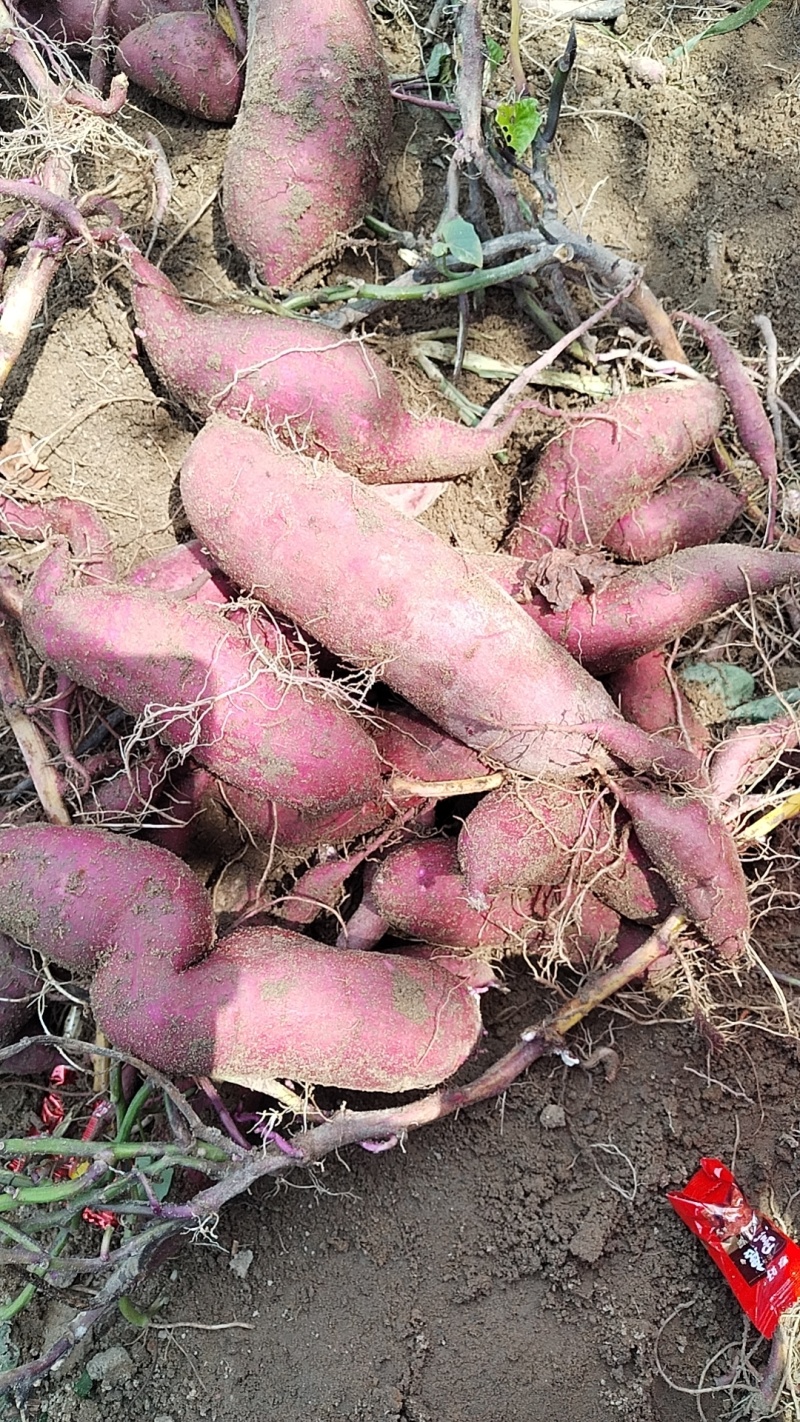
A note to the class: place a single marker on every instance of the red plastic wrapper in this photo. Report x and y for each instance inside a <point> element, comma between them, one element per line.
<point>760,1264</point>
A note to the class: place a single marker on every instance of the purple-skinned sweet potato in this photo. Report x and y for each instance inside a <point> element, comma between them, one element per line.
<point>305,155</point>
<point>601,467</point>
<point>324,391</point>
<point>410,745</point>
<point>379,590</point>
<point>689,511</point>
<point>519,838</point>
<point>695,853</point>
<point>644,608</point>
<point>186,570</point>
<point>187,61</point>
<point>262,1003</point>
<point>420,893</point>
<point>89,539</point>
<point>651,699</point>
<point>202,688</point>
<point>72,21</point>
<point>18,988</point>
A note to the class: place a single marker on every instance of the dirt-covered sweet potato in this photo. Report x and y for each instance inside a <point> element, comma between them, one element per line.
<point>520,837</point>
<point>599,468</point>
<point>695,853</point>
<point>305,155</point>
<point>690,511</point>
<point>420,892</point>
<point>203,689</point>
<point>381,591</point>
<point>644,608</point>
<point>651,698</point>
<point>262,1003</point>
<point>324,391</point>
<point>18,988</point>
<point>187,61</point>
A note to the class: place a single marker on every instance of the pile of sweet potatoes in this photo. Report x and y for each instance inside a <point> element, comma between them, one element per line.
<point>318,674</point>
<point>541,667</point>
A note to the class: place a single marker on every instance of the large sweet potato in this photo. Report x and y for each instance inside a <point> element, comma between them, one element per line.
<point>304,159</point>
<point>381,591</point>
<point>420,893</point>
<point>203,687</point>
<point>323,391</point>
<point>260,1004</point>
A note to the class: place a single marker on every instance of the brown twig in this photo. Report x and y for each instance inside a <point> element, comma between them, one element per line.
<point>27,291</point>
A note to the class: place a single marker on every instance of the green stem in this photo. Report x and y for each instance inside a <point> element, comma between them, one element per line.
<point>545,322</point>
<point>133,1112</point>
<point>132,1314</point>
<point>88,1150</point>
<point>51,1193</point>
<point>10,1310</point>
<point>432,290</point>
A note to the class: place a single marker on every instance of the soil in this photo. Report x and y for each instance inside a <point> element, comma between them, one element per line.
<point>498,1267</point>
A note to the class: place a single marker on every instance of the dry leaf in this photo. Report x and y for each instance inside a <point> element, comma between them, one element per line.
<point>20,464</point>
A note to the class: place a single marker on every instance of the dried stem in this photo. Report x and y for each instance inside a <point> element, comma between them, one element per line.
<point>28,737</point>
<point>26,294</point>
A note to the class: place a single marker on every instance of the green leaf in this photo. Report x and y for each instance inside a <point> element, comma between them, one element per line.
<point>519,123</point>
<point>725,26</point>
<point>462,241</point>
<point>439,53</point>
<point>495,52</point>
<point>83,1385</point>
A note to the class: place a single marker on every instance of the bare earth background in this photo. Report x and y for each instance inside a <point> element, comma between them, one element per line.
<point>494,1270</point>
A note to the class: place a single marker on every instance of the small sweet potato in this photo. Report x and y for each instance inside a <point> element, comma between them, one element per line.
<point>203,687</point>
<point>309,384</point>
<point>597,470</point>
<point>748,754</point>
<point>690,511</point>
<point>653,700</point>
<point>187,61</point>
<point>420,893</point>
<point>695,853</point>
<point>519,838</point>
<point>18,988</point>
<point>379,590</point>
<point>304,159</point>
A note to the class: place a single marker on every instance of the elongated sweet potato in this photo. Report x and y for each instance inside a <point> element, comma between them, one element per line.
<point>187,61</point>
<point>203,688</point>
<point>749,753</point>
<point>420,893</point>
<point>594,472</point>
<point>325,391</point>
<point>644,608</point>
<point>691,510</point>
<point>410,745</point>
<point>262,1003</point>
<point>381,591</point>
<point>72,21</point>
<point>306,153</point>
<point>696,854</point>
<point>185,569</point>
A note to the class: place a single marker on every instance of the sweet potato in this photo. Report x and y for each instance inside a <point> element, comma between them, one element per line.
<point>749,753</point>
<point>597,470</point>
<point>420,893</point>
<point>263,1003</point>
<point>71,22</point>
<point>304,159</point>
<point>74,895</point>
<point>644,608</point>
<point>649,697</point>
<point>325,391</point>
<point>584,926</point>
<point>203,688</point>
<point>519,838</point>
<point>187,61</point>
<point>381,591</point>
<point>18,988</point>
<point>696,854</point>
<point>185,569</point>
<point>88,538</point>
<point>691,510</point>
<point>755,430</point>
<point>410,745</point>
